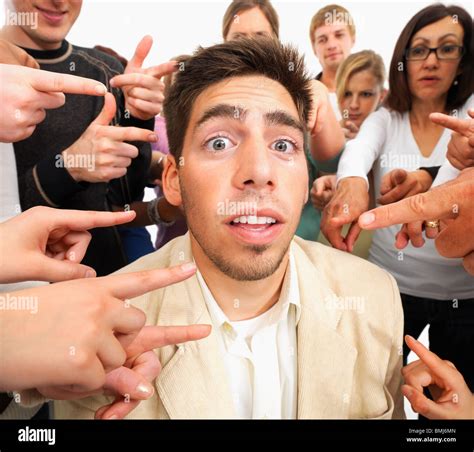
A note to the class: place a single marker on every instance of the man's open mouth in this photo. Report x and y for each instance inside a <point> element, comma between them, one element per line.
<point>257,229</point>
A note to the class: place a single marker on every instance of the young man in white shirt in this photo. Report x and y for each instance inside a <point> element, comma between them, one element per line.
<point>299,330</point>
<point>332,33</point>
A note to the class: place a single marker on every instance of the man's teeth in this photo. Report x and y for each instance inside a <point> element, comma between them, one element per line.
<point>252,219</point>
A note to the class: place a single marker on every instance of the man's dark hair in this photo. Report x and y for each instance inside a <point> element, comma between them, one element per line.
<point>243,57</point>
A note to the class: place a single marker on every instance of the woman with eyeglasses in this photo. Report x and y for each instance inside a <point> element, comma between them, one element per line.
<point>431,71</point>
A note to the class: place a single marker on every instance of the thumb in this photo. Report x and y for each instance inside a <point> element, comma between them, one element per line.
<point>141,52</point>
<point>108,111</point>
<point>320,186</point>
<point>55,270</point>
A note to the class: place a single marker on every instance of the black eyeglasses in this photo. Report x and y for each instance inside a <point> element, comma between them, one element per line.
<point>444,52</point>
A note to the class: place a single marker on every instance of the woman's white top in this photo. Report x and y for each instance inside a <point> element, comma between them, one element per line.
<point>385,142</point>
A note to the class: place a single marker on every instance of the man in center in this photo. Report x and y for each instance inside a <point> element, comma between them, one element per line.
<point>300,330</point>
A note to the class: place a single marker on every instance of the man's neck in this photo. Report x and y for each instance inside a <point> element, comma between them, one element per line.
<point>240,300</point>
<point>17,36</point>
<point>328,78</point>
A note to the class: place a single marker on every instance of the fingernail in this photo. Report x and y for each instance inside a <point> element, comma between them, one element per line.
<point>112,418</point>
<point>90,274</point>
<point>152,137</point>
<point>407,391</point>
<point>112,82</point>
<point>367,218</point>
<point>100,89</point>
<point>189,266</point>
<point>145,389</point>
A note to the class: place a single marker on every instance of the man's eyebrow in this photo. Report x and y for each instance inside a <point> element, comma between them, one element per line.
<point>222,111</point>
<point>282,118</point>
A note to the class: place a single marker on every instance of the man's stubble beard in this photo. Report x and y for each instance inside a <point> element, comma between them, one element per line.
<point>254,269</point>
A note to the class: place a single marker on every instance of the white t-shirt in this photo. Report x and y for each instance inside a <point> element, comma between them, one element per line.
<point>335,105</point>
<point>385,142</point>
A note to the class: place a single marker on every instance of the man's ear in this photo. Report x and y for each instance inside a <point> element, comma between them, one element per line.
<point>170,180</point>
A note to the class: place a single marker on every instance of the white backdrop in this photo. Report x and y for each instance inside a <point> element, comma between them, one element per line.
<point>180,26</point>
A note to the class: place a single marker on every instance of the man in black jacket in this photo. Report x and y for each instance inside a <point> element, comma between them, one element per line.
<point>75,159</point>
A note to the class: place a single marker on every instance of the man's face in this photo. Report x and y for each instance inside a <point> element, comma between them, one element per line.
<point>54,20</point>
<point>244,177</point>
<point>332,44</point>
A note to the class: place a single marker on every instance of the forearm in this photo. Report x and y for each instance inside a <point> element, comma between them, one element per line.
<point>329,141</point>
<point>166,212</point>
<point>46,185</point>
<point>360,153</point>
<point>353,163</point>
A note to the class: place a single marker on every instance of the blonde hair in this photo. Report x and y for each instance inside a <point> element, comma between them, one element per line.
<point>366,60</point>
<point>331,14</point>
<point>238,6</point>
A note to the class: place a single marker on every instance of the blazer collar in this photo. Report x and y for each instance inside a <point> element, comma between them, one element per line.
<point>325,359</point>
<point>194,383</point>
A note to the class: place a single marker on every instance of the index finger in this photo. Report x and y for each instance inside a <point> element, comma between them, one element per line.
<point>434,362</point>
<point>461,126</point>
<point>131,285</point>
<point>436,203</point>
<point>65,83</point>
<point>78,220</point>
<point>162,69</point>
<point>151,337</point>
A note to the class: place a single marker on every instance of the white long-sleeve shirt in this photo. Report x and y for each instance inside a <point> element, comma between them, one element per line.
<point>385,142</point>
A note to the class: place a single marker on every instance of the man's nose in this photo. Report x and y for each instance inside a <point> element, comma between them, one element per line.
<point>254,166</point>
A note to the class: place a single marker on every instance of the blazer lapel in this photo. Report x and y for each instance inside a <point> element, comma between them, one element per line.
<point>194,382</point>
<point>325,359</point>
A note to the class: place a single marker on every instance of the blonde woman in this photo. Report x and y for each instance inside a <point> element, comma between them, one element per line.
<point>360,91</point>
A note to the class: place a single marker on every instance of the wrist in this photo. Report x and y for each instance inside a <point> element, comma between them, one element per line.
<point>424,179</point>
<point>158,213</point>
<point>74,172</point>
<point>354,182</point>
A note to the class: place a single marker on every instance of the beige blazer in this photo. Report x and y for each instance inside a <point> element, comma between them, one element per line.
<point>349,341</point>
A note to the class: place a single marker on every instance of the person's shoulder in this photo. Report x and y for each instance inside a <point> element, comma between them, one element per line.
<point>387,114</point>
<point>348,275</point>
<point>160,258</point>
<point>334,262</point>
<point>151,302</point>
<point>97,57</point>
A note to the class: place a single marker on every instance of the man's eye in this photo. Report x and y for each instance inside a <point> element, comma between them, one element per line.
<point>218,144</point>
<point>283,146</point>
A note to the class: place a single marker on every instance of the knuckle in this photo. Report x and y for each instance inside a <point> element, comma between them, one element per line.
<point>417,204</point>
